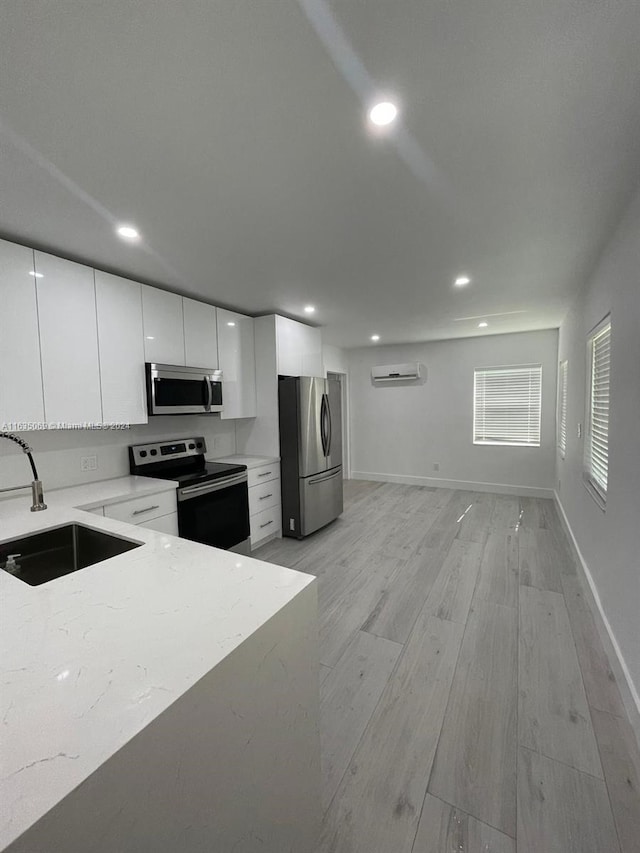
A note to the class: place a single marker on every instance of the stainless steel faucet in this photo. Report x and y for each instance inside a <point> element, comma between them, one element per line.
<point>37,495</point>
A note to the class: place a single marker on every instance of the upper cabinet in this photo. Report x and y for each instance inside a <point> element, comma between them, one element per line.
<point>163,326</point>
<point>121,349</point>
<point>237,362</point>
<point>299,348</point>
<point>21,397</point>
<point>68,340</point>
<point>200,334</point>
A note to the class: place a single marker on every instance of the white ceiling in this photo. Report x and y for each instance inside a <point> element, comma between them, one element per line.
<point>232,133</point>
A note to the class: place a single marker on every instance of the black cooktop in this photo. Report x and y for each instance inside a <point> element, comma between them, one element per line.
<point>182,460</point>
<point>211,471</point>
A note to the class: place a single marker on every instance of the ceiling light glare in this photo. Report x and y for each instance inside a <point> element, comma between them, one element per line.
<point>128,232</point>
<point>375,337</point>
<point>383,113</point>
<point>309,309</point>
<point>462,281</point>
<point>36,274</point>
<point>482,325</point>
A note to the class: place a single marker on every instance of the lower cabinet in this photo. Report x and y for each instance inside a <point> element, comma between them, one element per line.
<point>265,514</point>
<point>155,512</point>
<point>164,524</point>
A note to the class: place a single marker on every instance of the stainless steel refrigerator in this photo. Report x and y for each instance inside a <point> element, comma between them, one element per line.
<point>310,453</point>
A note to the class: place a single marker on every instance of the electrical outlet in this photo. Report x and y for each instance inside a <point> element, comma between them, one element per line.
<point>88,463</point>
<point>436,466</point>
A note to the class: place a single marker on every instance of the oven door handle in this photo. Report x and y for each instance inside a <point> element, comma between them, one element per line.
<point>215,486</point>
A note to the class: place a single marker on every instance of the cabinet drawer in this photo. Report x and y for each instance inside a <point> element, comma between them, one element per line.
<point>263,474</point>
<point>138,510</point>
<point>164,524</point>
<point>264,496</point>
<point>264,524</point>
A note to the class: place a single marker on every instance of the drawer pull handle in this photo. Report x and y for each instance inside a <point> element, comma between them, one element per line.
<point>264,497</point>
<point>146,509</point>
<point>266,524</point>
<point>265,474</point>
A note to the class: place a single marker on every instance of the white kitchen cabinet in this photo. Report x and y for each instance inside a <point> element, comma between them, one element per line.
<point>299,348</point>
<point>163,524</point>
<point>21,396</point>
<point>163,326</point>
<point>237,362</point>
<point>68,340</point>
<point>121,349</point>
<point>200,334</point>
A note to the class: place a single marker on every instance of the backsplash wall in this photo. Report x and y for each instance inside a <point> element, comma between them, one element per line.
<point>57,453</point>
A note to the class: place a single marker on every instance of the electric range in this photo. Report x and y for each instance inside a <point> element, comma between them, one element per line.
<point>213,499</point>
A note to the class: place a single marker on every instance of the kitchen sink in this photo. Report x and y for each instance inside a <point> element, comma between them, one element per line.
<point>60,551</point>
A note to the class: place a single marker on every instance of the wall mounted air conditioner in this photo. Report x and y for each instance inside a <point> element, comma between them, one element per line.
<point>396,372</point>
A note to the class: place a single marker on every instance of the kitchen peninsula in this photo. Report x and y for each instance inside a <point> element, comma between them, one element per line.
<point>164,699</point>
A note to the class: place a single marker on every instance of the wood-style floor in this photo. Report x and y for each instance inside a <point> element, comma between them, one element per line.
<point>466,700</point>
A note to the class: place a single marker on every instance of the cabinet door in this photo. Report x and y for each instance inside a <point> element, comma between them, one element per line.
<point>311,351</point>
<point>163,326</point>
<point>121,349</point>
<point>288,347</point>
<point>200,334</point>
<point>237,362</point>
<point>20,372</point>
<point>68,340</point>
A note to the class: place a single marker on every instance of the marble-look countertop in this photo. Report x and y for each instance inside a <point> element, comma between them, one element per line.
<point>90,659</point>
<point>249,461</point>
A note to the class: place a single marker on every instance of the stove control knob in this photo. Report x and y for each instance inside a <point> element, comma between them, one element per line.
<point>153,452</point>
<point>199,445</point>
<point>192,447</point>
<point>143,453</point>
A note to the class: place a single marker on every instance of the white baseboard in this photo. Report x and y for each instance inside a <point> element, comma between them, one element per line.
<point>436,482</point>
<point>600,612</point>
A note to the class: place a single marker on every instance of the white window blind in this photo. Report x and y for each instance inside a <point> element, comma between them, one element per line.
<point>597,444</point>
<point>562,407</point>
<point>507,405</point>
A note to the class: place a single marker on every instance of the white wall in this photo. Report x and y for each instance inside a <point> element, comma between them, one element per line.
<point>57,452</point>
<point>609,541</point>
<point>400,431</point>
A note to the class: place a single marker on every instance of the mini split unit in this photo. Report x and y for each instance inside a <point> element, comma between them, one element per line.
<point>396,372</point>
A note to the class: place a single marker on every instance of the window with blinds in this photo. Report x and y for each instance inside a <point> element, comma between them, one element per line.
<point>561,416</point>
<point>507,404</point>
<point>597,443</point>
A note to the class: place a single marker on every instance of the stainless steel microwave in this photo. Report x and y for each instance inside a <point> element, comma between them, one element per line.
<point>176,390</point>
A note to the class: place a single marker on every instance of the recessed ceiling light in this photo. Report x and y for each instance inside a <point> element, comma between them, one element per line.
<point>128,232</point>
<point>482,325</point>
<point>36,274</point>
<point>309,309</point>
<point>383,113</point>
<point>462,280</point>
<point>230,323</point>
<point>375,337</point>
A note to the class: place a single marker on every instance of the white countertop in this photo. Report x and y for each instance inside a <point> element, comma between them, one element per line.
<point>89,659</point>
<point>249,461</point>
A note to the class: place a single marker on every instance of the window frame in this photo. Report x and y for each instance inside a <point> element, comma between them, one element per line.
<point>595,488</point>
<point>503,443</point>
<point>562,407</point>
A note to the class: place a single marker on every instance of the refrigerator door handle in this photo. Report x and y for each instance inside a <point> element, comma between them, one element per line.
<point>323,424</point>
<point>315,480</point>
<point>329,426</point>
